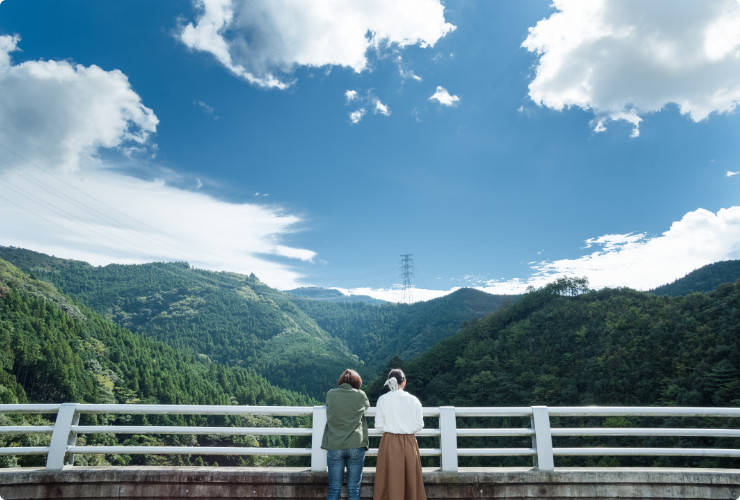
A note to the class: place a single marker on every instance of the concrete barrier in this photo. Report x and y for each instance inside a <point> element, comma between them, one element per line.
<point>291,483</point>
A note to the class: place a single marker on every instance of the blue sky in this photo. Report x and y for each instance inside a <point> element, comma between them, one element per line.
<point>503,144</point>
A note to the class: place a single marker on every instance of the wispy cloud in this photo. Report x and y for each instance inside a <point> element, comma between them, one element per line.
<point>623,59</point>
<point>442,96</point>
<point>60,197</point>
<point>730,173</point>
<point>207,109</point>
<point>365,101</point>
<point>264,41</point>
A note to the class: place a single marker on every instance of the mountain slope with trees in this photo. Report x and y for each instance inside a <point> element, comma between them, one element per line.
<point>555,347</point>
<point>377,333</point>
<point>53,351</point>
<point>225,317</point>
<point>296,343</point>
<point>704,279</point>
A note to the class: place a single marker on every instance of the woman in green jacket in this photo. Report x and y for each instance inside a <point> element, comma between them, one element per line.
<point>345,434</point>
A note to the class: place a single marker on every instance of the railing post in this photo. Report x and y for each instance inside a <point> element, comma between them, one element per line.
<point>318,456</point>
<point>62,437</point>
<point>448,439</point>
<point>542,439</point>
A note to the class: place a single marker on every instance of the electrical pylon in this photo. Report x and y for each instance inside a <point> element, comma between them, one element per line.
<point>407,274</point>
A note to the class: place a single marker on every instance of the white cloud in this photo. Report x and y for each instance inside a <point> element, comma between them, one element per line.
<point>263,41</point>
<point>443,97</point>
<point>367,100</point>
<point>396,294</point>
<point>381,108</point>
<point>58,114</point>
<point>207,109</point>
<point>356,116</point>
<point>61,198</point>
<point>622,260</point>
<point>623,59</point>
<point>641,262</point>
<point>730,173</point>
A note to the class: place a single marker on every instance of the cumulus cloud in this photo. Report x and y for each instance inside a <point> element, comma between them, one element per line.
<point>381,109</point>
<point>264,41</point>
<point>357,115</point>
<point>622,59</point>
<point>62,198</point>
<point>59,114</point>
<point>642,262</point>
<point>443,97</point>
<point>350,95</point>
<point>633,260</point>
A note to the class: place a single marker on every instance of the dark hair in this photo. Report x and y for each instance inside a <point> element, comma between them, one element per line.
<point>398,374</point>
<point>350,377</point>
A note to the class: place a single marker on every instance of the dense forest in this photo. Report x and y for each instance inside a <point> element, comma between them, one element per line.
<point>168,333</point>
<point>53,350</point>
<point>607,347</point>
<point>378,333</point>
<point>224,317</point>
<point>704,279</point>
<point>563,345</point>
<point>296,343</point>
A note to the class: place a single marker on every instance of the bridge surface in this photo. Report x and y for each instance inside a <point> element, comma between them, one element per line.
<point>175,483</point>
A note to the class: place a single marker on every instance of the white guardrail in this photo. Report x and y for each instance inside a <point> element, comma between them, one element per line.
<point>63,447</point>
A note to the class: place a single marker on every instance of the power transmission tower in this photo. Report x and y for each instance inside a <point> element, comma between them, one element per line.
<point>407,273</point>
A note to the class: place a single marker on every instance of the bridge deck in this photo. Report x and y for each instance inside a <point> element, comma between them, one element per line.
<point>295,483</point>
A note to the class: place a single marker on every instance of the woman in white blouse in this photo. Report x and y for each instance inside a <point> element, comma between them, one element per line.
<point>398,471</point>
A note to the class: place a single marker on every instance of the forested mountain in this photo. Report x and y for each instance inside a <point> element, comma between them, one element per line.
<point>607,347</point>
<point>52,351</point>
<point>378,333</point>
<point>225,317</point>
<point>300,344</point>
<point>704,279</point>
<point>330,295</point>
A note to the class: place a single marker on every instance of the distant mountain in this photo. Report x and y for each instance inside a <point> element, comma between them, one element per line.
<point>377,333</point>
<point>331,295</point>
<point>225,317</point>
<point>704,279</point>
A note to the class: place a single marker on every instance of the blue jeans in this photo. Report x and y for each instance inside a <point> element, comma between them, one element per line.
<point>337,460</point>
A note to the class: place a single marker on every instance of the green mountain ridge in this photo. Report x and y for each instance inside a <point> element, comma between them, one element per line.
<point>607,347</point>
<point>704,279</point>
<point>226,317</point>
<point>377,333</point>
<point>296,343</point>
<point>60,351</point>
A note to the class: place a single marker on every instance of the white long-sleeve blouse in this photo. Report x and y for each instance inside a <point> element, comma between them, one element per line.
<point>398,412</point>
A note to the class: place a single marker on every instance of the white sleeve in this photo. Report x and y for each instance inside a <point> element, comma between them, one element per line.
<point>419,417</point>
<point>379,417</point>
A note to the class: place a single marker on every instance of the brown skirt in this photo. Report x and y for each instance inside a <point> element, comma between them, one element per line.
<point>398,471</point>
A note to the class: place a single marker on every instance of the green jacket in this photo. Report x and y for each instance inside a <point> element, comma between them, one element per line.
<point>346,426</point>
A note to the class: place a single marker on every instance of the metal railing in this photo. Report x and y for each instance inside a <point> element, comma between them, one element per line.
<point>63,442</point>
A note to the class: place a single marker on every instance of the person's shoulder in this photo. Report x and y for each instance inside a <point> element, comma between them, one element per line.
<point>412,397</point>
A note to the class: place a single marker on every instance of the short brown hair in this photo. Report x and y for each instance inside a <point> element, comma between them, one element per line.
<point>350,377</point>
